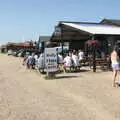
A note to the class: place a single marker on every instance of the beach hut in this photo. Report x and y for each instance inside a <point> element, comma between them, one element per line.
<point>77,33</point>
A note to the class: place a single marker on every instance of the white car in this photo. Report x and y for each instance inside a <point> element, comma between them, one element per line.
<point>10,52</point>
<point>20,54</point>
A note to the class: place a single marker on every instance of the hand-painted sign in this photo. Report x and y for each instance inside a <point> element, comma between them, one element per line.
<point>50,59</point>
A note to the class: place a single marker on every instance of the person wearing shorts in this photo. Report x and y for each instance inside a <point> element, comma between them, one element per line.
<point>115,63</point>
<point>68,62</point>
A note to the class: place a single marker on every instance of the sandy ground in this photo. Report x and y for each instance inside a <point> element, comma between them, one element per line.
<point>25,95</point>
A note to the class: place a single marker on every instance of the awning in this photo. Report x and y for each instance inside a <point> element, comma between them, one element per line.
<point>95,28</point>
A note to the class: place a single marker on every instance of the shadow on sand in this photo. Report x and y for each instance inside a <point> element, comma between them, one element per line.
<point>82,70</point>
<point>62,77</point>
<point>73,71</point>
<point>71,76</point>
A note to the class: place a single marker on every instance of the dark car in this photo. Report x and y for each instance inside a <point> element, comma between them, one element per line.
<point>17,52</point>
<point>23,53</point>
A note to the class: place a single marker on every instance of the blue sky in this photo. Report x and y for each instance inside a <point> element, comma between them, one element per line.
<point>22,20</point>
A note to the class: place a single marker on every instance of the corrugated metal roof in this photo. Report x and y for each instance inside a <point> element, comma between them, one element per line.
<point>96,28</point>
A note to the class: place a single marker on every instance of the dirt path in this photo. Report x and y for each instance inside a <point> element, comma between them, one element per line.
<point>25,95</point>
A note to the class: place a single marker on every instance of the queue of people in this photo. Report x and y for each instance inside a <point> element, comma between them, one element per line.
<point>70,61</point>
<point>34,61</point>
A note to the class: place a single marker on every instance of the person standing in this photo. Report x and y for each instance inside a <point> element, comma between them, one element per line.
<point>25,58</point>
<point>28,60</point>
<point>115,63</point>
<point>81,55</point>
<point>60,61</point>
<point>68,61</point>
<point>41,63</point>
<point>31,61</point>
<point>60,58</point>
<point>36,59</point>
<point>75,60</point>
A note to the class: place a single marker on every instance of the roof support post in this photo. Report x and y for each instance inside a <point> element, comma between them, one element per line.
<point>59,33</point>
<point>93,37</point>
<point>94,55</point>
<point>62,43</point>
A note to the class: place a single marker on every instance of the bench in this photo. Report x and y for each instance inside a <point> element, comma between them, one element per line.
<point>99,62</point>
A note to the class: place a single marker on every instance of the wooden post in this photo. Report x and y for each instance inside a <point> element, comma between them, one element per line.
<point>62,48</point>
<point>94,56</point>
<point>62,39</point>
<point>94,59</point>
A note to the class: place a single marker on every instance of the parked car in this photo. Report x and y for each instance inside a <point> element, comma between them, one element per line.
<point>10,52</point>
<point>15,53</point>
<point>28,51</point>
<point>22,53</point>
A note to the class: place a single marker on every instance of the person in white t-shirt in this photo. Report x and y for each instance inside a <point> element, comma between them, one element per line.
<point>81,55</point>
<point>36,59</point>
<point>68,61</point>
<point>41,63</point>
<point>60,61</point>
<point>75,60</point>
<point>60,58</point>
<point>28,60</point>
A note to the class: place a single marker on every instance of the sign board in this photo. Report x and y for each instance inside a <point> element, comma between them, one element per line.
<point>51,60</point>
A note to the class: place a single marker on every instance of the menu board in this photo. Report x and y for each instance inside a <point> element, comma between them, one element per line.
<point>51,60</point>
